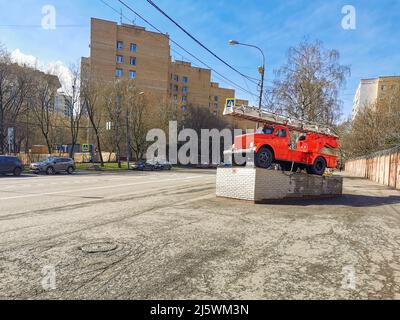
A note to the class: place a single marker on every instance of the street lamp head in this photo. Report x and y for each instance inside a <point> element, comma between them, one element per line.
<point>233,42</point>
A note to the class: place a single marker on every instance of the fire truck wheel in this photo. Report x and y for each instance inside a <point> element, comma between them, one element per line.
<point>264,158</point>
<point>318,167</point>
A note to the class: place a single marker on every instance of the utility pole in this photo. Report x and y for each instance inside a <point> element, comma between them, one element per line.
<point>261,71</point>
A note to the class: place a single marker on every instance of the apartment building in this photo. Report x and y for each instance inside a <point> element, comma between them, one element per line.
<point>129,52</point>
<point>371,91</point>
<point>123,51</point>
<point>189,86</point>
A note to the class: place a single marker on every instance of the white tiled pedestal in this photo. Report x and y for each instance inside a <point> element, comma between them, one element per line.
<point>261,185</point>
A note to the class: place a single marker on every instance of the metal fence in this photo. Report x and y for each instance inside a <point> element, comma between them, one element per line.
<point>382,167</point>
<point>27,159</point>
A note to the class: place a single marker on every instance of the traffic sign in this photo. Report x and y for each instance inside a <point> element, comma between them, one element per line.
<point>231,103</point>
<point>85,148</point>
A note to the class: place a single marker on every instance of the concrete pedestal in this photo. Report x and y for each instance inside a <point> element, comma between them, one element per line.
<point>261,185</point>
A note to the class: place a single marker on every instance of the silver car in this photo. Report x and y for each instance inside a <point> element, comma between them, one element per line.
<point>54,165</point>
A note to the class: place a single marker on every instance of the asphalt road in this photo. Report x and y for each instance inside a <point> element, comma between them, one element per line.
<point>166,236</point>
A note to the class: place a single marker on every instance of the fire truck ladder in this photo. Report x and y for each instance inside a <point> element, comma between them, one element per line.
<point>254,114</point>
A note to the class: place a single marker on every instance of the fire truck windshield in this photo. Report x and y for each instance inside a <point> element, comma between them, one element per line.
<point>266,130</point>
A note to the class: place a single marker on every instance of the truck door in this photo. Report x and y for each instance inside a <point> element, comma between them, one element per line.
<point>282,143</point>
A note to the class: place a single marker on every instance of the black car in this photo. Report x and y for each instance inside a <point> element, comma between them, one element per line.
<point>11,165</point>
<point>143,166</point>
<point>163,165</point>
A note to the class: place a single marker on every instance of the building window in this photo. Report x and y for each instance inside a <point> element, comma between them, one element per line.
<point>216,98</point>
<point>132,74</point>
<point>133,47</point>
<point>175,97</point>
<point>176,77</point>
<point>184,99</point>
<point>119,73</point>
<point>383,87</point>
<point>132,61</point>
<point>184,90</point>
<point>185,79</point>
<point>120,59</point>
<point>215,105</point>
<point>120,45</point>
<point>176,88</point>
<point>184,108</point>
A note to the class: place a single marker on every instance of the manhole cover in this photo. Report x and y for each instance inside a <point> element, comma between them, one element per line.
<point>99,247</point>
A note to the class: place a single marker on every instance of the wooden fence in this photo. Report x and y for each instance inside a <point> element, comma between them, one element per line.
<point>382,167</point>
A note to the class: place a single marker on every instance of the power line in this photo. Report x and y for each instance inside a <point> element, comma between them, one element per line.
<point>198,41</point>
<point>181,47</point>
<point>192,55</point>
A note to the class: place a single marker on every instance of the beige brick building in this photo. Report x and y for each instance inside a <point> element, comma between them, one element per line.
<point>189,85</point>
<point>372,91</point>
<point>131,52</point>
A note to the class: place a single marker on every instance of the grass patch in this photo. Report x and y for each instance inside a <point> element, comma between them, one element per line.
<point>107,166</point>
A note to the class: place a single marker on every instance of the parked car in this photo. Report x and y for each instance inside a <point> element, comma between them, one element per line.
<point>143,166</point>
<point>163,165</point>
<point>11,165</point>
<point>54,165</point>
<point>206,165</point>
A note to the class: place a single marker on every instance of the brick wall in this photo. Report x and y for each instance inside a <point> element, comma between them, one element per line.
<point>259,185</point>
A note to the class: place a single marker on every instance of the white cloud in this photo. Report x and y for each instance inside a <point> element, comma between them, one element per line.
<point>56,68</point>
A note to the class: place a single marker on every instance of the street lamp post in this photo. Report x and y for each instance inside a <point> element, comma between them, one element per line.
<point>261,69</point>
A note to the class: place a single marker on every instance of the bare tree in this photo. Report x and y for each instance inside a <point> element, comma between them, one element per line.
<point>376,127</point>
<point>45,88</point>
<point>113,108</point>
<point>139,118</point>
<point>307,86</point>
<point>74,108</point>
<point>14,86</point>
<point>92,94</point>
<point>198,118</point>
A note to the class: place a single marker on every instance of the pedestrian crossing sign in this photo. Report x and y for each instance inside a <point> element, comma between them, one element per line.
<point>230,103</point>
<point>85,148</point>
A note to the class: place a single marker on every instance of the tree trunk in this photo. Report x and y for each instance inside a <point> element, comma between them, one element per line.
<point>2,136</point>
<point>99,147</point>
<point>48,144</point>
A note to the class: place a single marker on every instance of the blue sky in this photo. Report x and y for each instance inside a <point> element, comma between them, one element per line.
<point>372,49</point>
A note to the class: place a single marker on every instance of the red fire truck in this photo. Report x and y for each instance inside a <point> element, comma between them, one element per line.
<point>291,143</point>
